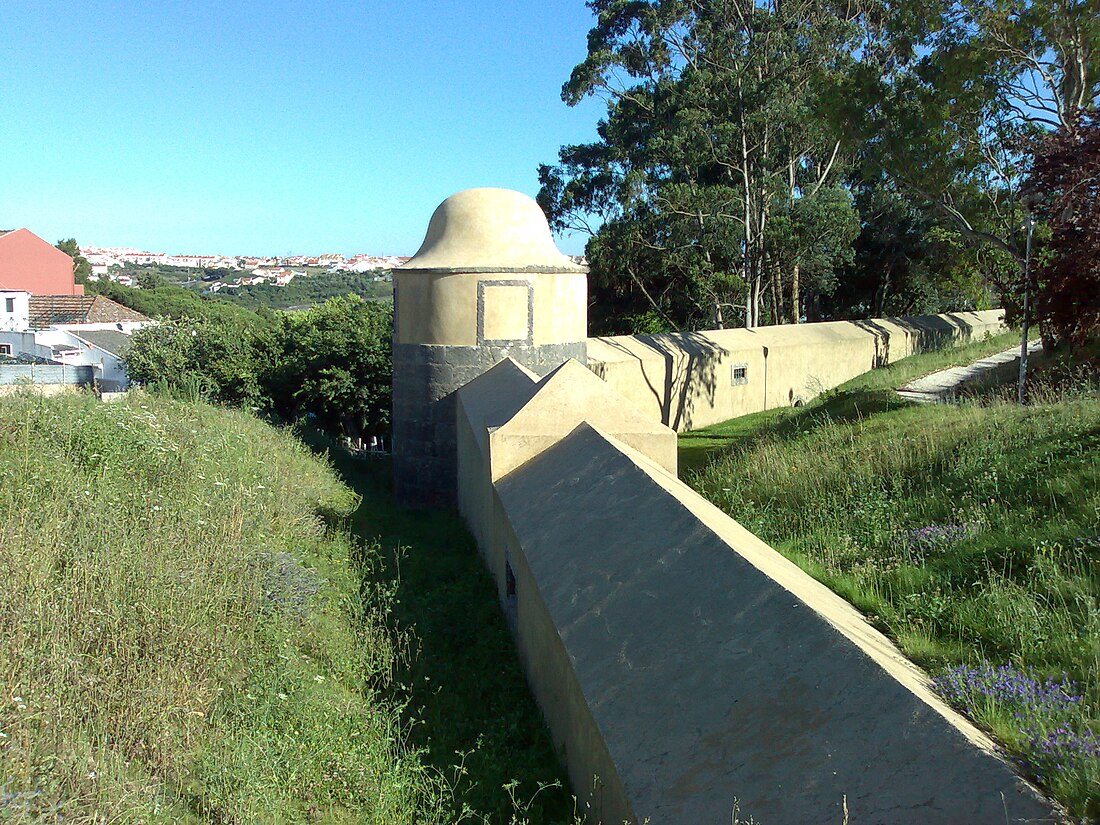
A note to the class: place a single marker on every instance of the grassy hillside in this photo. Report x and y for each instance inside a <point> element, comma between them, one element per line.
<point>467,697</point>
<point>310,290</point>
<point>183,637</point>
<point>970,534</point>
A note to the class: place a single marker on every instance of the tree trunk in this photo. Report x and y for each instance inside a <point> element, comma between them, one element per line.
<point>777,318</point>
<point>883,290</point>
<point>752,314</point>
<point>796,312</point>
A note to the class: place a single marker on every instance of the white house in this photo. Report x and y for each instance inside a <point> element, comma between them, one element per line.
<point>15,310</point>
<point>79,331</point>
<point>100,346</point>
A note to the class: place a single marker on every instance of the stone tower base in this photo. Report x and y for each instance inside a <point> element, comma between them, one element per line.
<point>425,378</point>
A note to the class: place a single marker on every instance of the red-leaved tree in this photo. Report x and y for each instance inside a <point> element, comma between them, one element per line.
<point>1064,190</point>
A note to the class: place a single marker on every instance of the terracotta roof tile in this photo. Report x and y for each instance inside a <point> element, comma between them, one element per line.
<point>47,310</point>
<point>104,310</point>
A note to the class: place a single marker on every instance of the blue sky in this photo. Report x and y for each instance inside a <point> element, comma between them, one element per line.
<point>273,127</point>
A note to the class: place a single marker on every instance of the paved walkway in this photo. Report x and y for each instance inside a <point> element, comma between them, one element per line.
<point>941,387</point>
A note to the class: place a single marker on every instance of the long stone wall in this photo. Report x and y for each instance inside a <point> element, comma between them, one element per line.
<point>695,379</point>
<point>685,668</point>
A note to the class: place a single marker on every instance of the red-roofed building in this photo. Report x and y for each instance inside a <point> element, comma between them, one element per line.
<point>33,265</point>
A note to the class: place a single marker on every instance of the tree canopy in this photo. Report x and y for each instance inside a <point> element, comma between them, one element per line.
<point>81,266</point>
<point>773,160</point>
<point>331,363</point>
<point>714,149</point>
<point>1065,190</point>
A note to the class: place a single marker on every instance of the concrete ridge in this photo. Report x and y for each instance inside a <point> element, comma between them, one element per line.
<point>562,399</point>
<point>941,386</point>
<point>496,395</point>
<point>834,609</point>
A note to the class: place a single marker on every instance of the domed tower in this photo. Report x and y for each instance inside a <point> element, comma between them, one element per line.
<point>488,283</point>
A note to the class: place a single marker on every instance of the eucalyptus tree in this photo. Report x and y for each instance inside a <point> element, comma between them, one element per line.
<point>948,96</point>
<point>714,129</point>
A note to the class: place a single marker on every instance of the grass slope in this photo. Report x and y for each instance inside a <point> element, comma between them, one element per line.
<point>970,534</point>
<point>183,635</point>
<point>465,692</point>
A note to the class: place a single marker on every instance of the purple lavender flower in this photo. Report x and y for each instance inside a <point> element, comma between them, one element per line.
<point>1086,543</point>
<point>1050,714</point>
<point>937,536</point>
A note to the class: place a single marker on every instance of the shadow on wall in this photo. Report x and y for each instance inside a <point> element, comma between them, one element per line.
<point>689,364</point>
<point>926,333</point>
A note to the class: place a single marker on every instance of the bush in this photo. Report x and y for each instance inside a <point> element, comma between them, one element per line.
<point>331,363</point>
<point>217,358</point>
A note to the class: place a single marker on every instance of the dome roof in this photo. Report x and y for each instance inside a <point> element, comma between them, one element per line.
<point>489,230</point>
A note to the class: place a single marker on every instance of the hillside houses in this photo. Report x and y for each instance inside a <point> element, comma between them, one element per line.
<point>86,331</point>
<point>104,259</point>
<point>51,333</point>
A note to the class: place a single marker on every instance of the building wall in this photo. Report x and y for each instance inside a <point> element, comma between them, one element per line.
<point>24,343</point>
<point>686,381</point>
<point>451,326</point>
<point>425,378</point>
<point>29,263</point>
<point>683,665</point>
<point>17,319</point>
<point>48,379</point>
<point>450,309</point>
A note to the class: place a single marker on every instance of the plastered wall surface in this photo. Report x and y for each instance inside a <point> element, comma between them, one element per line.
<point>687,380</point>
<point>688,672</point>
<point>466,309</point>
<point>681,663</point>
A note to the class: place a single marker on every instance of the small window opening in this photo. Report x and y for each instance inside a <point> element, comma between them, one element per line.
<point>510,612</point>
<point>9,305</point>
<point>740,374</point>
<point>5,349</point>
<point>509,581</point>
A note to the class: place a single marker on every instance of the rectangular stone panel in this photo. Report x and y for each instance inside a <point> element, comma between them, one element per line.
<point>504,312</point>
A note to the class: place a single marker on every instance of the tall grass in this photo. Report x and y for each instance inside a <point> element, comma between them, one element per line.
<point>182,632</point>
<point>464,689</point>
<point>970,534</point>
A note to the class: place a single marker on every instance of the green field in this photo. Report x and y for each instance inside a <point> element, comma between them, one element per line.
<point>970,534</point>
<point>314,286</point>
<point>309,290</point>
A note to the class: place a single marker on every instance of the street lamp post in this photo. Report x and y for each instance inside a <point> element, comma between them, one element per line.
<point>1022,390</point>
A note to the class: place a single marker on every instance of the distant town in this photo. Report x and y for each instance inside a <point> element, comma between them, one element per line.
<point>112,263</point>
<point>117,264</point>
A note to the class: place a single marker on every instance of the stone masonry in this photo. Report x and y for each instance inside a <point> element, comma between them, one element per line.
<point>425,379</point>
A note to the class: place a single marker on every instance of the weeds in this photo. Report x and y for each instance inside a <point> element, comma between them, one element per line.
<point>465,695</point>
<point>182,633</point>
